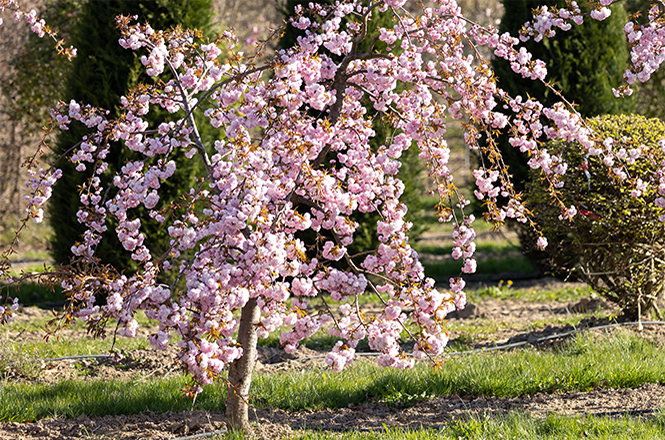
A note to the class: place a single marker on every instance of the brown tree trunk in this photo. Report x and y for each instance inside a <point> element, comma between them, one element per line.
<point>240,371</point>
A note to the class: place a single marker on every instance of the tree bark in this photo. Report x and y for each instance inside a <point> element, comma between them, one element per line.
<point>240,371</point>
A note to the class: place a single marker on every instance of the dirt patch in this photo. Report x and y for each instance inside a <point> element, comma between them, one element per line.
<point>27,314</point>
<point>272,360</point>
<point>441,410</point>
<point>138,363</point>
<point>271,424</point>
<point>516,311</point>
<point>125,427</point>
<point>515,322</point>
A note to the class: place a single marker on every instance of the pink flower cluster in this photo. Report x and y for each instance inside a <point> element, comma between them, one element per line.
<point>294,155</point>
<point>42,189</point>
<point>37,26</point>
<point>7,312</point>
<point>645,40</point>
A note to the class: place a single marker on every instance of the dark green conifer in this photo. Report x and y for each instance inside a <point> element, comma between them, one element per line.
<point>103,72</point>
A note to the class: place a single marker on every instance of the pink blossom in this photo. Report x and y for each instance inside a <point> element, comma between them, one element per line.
<point>600,14</point>
<point>541,243</point>
<point>470,266</point>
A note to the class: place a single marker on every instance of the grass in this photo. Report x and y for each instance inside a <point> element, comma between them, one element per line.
<point>38,323</point>
<point>77,346</point>
<point>505,291</point>
<point>23,352</point>
<point>470,332</point>
<point>33,242</point>
<point>483,331</point>
<point>514,426</point>
<point>443,270</point>
<point>24,357</point>
<point>492,247</point>
<point>470,329</point>
<point>493,256</point>
<point>70,398</point>
<point>620,359</point>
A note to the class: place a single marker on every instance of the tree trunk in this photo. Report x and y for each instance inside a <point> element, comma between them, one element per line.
<point>240,371</point>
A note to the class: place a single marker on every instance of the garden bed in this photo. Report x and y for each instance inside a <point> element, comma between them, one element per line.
<point>494,321</point>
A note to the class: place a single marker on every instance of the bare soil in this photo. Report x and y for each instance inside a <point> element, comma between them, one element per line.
<point>515,322</point>
<point>271,424</point>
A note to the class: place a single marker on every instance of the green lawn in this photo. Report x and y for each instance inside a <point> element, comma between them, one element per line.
<point>616,359</point>
<point>515,426</point>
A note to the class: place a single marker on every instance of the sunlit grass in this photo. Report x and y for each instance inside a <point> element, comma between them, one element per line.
<point>23,343</point>
<point>494,256</point>
<point>80,345</point>
<point>70,398</point>
<point>505,291</point>
<point>492,247</point>
<point>619,359</point>
<point>512,426</point>
<point>435,227</point>
<point>469,333</point>
<point>445,269</point>
<point>40,323</point>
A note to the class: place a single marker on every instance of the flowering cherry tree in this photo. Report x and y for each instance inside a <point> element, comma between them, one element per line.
<point>294,156</point>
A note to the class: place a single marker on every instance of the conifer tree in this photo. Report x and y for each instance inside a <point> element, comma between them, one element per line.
<point>102,73</point>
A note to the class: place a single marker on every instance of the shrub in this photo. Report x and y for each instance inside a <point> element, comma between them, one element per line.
<point>616,242</point>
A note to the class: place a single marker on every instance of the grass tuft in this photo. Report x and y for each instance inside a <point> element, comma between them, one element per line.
<point>505,291</point>
<point>619,360</point>
<point>70,398</point>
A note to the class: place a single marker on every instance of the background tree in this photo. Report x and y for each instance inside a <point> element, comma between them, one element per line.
<point>31,83</point>
<point>101,73</point>
<point>584,63</point>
